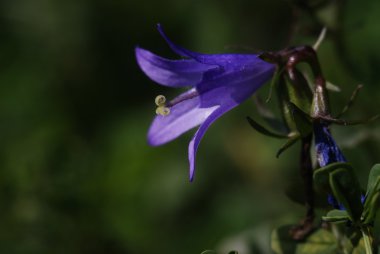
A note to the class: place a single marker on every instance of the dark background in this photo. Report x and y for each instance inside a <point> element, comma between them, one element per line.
<point>76,174</point>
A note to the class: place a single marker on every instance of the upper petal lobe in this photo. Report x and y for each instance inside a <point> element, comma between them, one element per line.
<point>173,73</point>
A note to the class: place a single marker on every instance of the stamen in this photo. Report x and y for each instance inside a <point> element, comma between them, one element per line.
<point>187,96</point>
<point>162,111</point>
<point>163,108</point>
<point>160,100</point>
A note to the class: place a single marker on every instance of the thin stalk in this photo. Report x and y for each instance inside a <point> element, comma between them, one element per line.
<point>367,237</point>
<point>343,243</point>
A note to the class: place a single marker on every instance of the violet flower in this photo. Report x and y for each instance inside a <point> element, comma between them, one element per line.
<point>327,152</point>
<point>217,82</point>
<point>326,149</point>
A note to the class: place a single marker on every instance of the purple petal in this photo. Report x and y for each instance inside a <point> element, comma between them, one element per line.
<point>173,73</point>
<point>194,143</point>
<point>183,116</point>
<point>232,87</point>
<point>236,60</point>
<point>202,58</point>
<point>228,96</point>
<point>326,149</point>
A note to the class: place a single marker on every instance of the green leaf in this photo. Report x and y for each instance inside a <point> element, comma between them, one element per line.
<point>340,180</point>
<point>336,216</point>
<point>264,130</point>
<point>373,179</point>
<point>372,195</point>
<point>321,175</point>
<point>320,241</point>
<point>346,190</point>
<point>370,208</point>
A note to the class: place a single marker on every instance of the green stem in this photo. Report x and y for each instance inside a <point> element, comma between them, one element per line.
<point>343,243</point>
<point>367,237</point>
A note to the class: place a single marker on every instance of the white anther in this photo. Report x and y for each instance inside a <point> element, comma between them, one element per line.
<point>162,111</point>
<point>160,100</point>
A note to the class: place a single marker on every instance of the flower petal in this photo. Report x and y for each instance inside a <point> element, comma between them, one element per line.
<point>183,116</point>
<point>173,73</point>
<point>236,60</point>
<point>202,58</point>
<point>233,86</point>
<point>194,143</point>
<point>326,149</point>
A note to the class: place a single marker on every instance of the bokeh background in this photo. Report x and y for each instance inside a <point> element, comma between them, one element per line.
<point>76,174</point>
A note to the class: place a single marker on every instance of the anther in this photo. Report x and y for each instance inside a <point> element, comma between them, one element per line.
<point>162,111</point>
<point>160,100</point>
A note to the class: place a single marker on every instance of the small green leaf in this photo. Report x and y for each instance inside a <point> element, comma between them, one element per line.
<point>370,208</point>
<point>340,180</point>
<point>373,179</point>
<point>321,175</point>
<point>372,195</point>
<point>336,216</point>
<point>264,130</point>
<point>346,190</point>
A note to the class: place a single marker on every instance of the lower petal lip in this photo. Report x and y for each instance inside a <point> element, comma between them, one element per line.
<point>183,116</point>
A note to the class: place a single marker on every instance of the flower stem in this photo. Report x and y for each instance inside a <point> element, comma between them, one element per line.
<point>367,237</point>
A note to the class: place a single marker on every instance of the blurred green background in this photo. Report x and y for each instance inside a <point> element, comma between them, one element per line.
<point>76,173</point>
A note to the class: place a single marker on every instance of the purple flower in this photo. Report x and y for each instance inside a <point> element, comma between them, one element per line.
<point>327,152</point>
<point>326,149</point>
<point>217,82</point>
